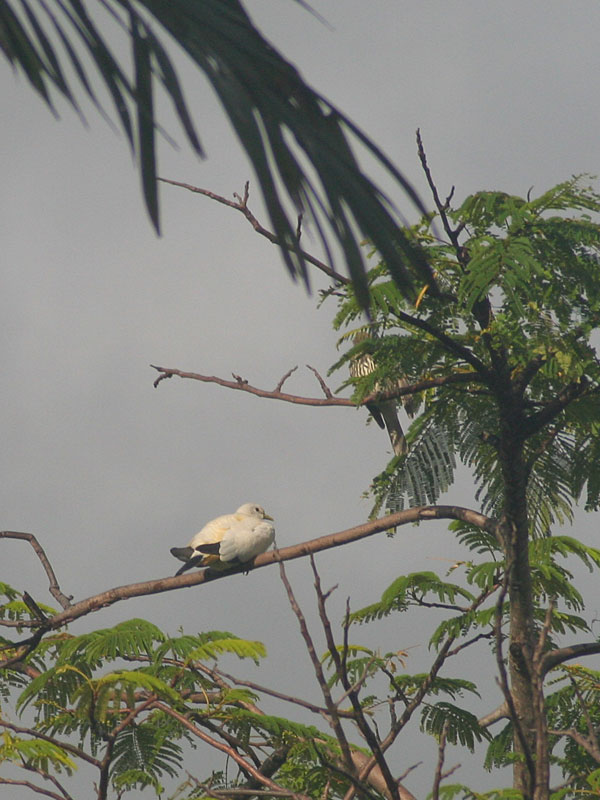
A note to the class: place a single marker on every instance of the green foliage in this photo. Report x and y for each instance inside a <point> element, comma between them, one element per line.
<point>500,749</point>
<point>412,590</point>
<point>508,381</point>
<point>74,693</point>
<point>409,685</point>
<point>144,752</point>
<point>305,771</point>
<point>449,791</point>
<point>522,286</point>
<point>460,726</point>
<point>281,729</point>
<point>575,706</point>
<point>38,754</point>
<point>206,646</point>
<point>420,477</point>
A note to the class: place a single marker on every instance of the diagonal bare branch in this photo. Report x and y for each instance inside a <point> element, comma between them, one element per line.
<point>54,588</point>
<point>241,204</point>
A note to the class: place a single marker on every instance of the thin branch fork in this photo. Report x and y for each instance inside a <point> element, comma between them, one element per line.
<point>452,233</point>
<point>242,384</point>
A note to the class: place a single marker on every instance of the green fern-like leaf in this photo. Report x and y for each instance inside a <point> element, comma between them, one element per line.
<point>127,639</point>
<point>461,726</point>
<point>411,590</point>
<point>422,476</point>
<point>242,720</point>
<point>39,754</point>
<point>499,751</point>
<point>208,646</point>
<point>143,753</point>
<point>462,624</point>
<point>453,687</point>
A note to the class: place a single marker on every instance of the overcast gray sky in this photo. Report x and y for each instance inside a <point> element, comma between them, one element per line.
<point>109,472</point>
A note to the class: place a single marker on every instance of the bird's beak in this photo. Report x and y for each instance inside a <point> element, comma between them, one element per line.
<point>269,517</point>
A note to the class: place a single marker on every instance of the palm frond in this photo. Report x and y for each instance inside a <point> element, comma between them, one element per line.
<point>281,122</point>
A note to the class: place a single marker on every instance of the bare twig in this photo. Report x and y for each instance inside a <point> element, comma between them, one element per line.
<point>33,787</point>
<point>437,779</point>
<point>326,390</point>
<point>241,205</point>
<point>440,773</point>
<point>284,378</point>
<point>442,208</point>
<point>54,588</point>
<point>243,385</point>
<point>64,794</point>
<point>320,710</point>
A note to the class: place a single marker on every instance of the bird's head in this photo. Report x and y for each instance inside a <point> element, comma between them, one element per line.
<point>253,510</point>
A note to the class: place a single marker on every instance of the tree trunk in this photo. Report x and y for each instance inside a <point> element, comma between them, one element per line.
<point>524,688</point>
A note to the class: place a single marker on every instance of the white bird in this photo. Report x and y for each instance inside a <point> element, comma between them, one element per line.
<point>238,537</point>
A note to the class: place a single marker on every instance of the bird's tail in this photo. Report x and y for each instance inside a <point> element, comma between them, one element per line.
<point>182,553</point>
<point>392,423</point>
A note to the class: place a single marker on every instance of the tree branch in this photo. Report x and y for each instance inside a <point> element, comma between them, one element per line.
<point>448,342</point>
<point>241,204</point>
<point>326,542</point>
<point>351,691</point>
<point>441,207</point>
<point>33,787</point>
<point>589,746</point>
<point>559,656</point>
<point>241,384</point>
<point>54,588</point>
<point>553,408</point>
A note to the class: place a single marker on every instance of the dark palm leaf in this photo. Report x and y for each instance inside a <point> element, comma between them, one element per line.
<point>279,119</point>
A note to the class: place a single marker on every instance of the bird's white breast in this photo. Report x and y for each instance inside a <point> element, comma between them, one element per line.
<point>246,539</point>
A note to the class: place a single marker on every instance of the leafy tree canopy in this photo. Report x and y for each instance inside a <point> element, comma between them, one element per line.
<point>498,351</point>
